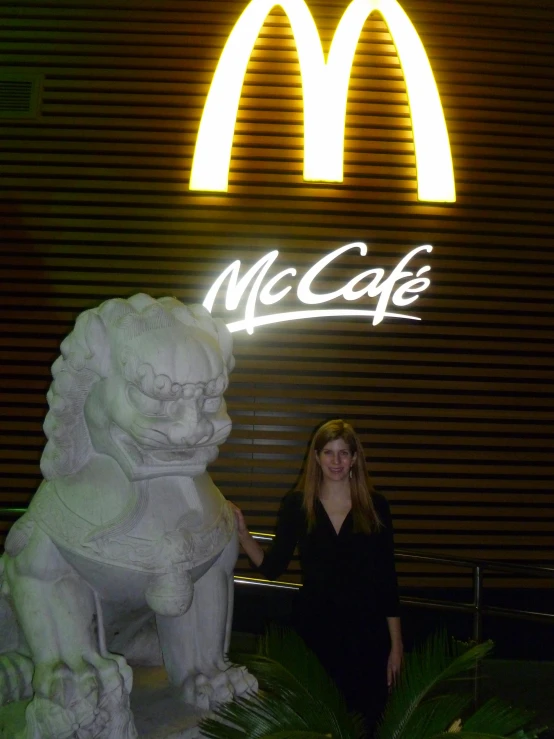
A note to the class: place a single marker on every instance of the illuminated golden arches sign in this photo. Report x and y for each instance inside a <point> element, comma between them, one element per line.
<point>325,91</point>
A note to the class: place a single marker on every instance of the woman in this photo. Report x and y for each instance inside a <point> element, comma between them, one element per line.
<point>347,609</point>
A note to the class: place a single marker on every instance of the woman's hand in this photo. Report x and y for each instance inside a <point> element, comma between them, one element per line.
<point>394,664</point>
<point>239,518</point>
<point>250,545</point>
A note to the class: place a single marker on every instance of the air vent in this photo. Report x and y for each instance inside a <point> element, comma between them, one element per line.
<point>19,94</point>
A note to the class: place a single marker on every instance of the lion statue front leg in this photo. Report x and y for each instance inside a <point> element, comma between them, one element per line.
<point>195,645</point>
<point>79,689</point>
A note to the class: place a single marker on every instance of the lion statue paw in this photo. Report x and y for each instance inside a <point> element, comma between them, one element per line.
<point>208,692</point>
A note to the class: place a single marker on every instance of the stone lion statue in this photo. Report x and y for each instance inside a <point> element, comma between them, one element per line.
<point>127,523</point>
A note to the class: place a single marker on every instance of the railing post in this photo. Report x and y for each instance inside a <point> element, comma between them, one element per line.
<point>477,601</point>
<point>477,627</point>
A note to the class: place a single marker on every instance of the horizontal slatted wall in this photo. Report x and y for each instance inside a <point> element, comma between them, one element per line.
<point>455,411</point>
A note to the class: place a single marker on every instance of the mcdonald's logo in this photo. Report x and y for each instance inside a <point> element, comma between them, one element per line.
<point>325,91</point>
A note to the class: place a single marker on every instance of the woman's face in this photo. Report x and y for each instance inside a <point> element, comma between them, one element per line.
<point>335,460</point>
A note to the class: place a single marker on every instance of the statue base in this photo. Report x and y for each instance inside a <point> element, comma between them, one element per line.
<point>158,712</point>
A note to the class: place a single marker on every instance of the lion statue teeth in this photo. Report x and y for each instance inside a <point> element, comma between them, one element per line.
<point>127,524</point>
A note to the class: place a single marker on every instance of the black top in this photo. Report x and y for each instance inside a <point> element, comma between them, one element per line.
<point>347,569</point>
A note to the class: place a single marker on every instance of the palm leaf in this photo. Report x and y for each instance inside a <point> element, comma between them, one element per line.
<point>305,670</point>
<point>257,716</point>
<point>436,715</point>
<point>279,682</point>
<point>298,735</point>
<point>423,670</point>
<point>297,700</point>
<point>262,716</point>
<point>529,733</point>
<point>286,667</point>
<point>495,720</point>
<point>498,717</point>
<point>296,695</point>
<point>533,734</point>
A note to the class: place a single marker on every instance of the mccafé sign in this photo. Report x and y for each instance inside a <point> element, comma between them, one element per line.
<point>325,90</point>
<point>256,288</point>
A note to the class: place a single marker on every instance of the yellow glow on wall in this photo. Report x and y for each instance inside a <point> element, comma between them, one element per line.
<point>325,91</point>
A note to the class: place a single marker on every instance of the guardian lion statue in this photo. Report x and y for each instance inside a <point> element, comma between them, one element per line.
<point>127,523</point>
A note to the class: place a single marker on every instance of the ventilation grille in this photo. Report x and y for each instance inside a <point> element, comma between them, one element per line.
<point>19,95</point>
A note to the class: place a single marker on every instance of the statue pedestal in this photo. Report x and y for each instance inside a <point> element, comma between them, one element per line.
<point>157,711</point>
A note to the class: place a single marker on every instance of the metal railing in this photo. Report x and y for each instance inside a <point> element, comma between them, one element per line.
<point>478,567</point>
<point>476,607</point>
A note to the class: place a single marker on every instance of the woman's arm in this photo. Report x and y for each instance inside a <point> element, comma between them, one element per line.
<point>391,601</point>
<point>396,652</point>
<point>253,550</point>
<point>275,560</point>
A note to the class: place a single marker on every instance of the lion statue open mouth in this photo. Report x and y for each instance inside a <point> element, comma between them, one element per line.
<point>126,523</point>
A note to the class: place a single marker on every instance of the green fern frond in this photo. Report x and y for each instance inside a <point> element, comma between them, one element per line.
<point>296,695</point>
<point>298,735</point>
<point>290,651</point>
<point>498,717</point>
<point>438,660</point>
<point>318,710</point>
<point>482,735</point>
<point>297,699</point>
<point>529,733</point>
<point>436,715</point>
<point>286,667</point>
<point>255,717</point>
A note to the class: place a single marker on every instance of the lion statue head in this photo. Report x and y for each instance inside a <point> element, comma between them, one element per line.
<point>142,381</point>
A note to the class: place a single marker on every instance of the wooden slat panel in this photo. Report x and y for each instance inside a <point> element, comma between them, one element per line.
<point>455,411</point>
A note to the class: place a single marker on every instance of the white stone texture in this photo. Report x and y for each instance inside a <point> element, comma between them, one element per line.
<point>157,710</point>
<point>127,526</point>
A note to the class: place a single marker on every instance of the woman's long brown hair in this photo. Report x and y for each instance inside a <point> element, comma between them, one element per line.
<point>361,487</point>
